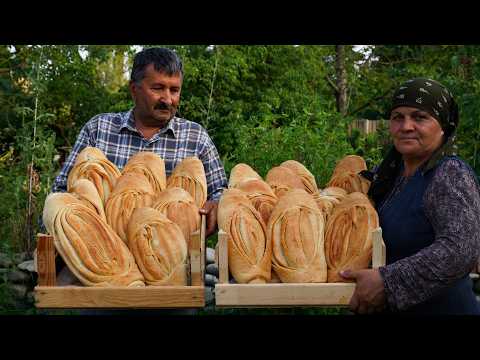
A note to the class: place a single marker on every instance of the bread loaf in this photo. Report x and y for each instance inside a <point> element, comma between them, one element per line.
<point>159,247</point>
<point>151,166</point>
<point>296,230</point>
<point>327,198</point>
<point>90,248</point>
<point>350,163</point>
<point>307,177</point>
<point>87,193</point>
<point>132,191</point>
<point>178,206</point>
<point>282,179</point>
<point>348,236</point>
<point>241,173</point>
<point>249,252</point>
<point>92,164</point>
<point>190,176</point>
<point>351,182</point>
<point>261,196</point>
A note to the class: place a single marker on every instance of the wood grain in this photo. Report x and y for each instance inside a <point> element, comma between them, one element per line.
<point>119,297</point>
<point>46,260</point>
<point>272,295</point>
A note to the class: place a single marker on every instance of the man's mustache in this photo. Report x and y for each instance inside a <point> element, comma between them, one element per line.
<point>163,106</point>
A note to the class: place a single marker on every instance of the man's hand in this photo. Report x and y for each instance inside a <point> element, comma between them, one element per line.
<point>210,209</point>
<point>369,295</point>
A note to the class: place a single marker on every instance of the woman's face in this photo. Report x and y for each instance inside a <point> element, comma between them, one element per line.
<point>415,133</point>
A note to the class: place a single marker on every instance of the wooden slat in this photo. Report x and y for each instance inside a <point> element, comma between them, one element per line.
<point>203,250</point>
<point>379,251</point>
<point>197,255</point>
<point>77,297</point>
<point>222,257</point>
<point>46,260</point>
<point>271,295</point>
<point>195,271</point>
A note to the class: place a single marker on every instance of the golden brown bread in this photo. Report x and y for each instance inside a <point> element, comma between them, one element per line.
<point>151,166</point>
<point>87,193</point>
<point>282,179</point>
<point>351,182</point>
<point>159,247</point>
<point>91,249</point>
<point>350,163</point>
<point>249,252</point>
<point>306,176</point>
<point>327,198</point>
<point>190,176</point>
<point>92,164</point>
<point>261,196</point>
<point>296,230</point>
<point>348,235</point>
<point>178,206</point>
<point>132,191</point>
<point>240,173</point>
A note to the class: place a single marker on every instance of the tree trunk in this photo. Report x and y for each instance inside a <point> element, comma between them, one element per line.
<point>341,79</point>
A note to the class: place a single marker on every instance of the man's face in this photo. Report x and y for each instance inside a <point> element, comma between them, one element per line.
<point>156,97</point>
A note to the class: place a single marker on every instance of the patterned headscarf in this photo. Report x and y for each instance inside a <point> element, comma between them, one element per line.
<point>432,97</point>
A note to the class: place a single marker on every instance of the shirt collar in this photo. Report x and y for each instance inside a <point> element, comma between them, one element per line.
<point>128,122</point>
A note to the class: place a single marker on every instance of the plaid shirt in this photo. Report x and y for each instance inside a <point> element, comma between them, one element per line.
<point>116,136</point>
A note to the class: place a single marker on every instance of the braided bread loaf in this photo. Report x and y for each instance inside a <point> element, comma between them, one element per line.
<point>91,249</point>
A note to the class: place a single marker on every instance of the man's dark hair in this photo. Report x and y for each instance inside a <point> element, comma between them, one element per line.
<point>163,60</point>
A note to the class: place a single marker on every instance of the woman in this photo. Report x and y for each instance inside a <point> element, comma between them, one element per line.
<point>428,201</point>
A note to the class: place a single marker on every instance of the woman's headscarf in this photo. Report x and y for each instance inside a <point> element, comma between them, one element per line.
<point>432,97</point>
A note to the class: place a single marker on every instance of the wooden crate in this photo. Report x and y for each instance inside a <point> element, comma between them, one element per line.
<point>285,294</point>
<point>50,296</point>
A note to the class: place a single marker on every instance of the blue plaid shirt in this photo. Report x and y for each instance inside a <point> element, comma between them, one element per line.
<point>116,136</point>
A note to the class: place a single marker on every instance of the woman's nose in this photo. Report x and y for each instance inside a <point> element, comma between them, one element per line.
<point>408,123</point>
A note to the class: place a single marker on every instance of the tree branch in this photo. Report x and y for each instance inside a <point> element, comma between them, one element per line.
<point>369,102</point>
<point>332,84</point>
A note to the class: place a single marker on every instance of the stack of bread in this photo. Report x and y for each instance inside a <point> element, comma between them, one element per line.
<point>312,233</point>
<point>129,228</point>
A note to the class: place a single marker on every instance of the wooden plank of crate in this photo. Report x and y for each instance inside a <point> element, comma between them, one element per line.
<point>195,259</point>
<point>272,295</point>
<point>197,255</point>
<point>203,249</point>
<point>79,297</point>
<point>283,294</point>
<point>379,250</point>
<point>46,260</point>
<point>222,257</point>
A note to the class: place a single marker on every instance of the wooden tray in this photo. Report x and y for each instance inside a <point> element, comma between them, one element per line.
<point>50,296</point>
<point>285,294</point>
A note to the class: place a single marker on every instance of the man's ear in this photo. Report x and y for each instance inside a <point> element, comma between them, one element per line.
<point>133,89</point>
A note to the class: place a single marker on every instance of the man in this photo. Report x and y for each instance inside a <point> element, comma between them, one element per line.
<point>155,85</point>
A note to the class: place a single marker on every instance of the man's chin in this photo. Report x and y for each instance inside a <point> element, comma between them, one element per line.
<point>161,120</point>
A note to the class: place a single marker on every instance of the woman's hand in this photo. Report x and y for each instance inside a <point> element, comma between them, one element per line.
<point>369,295</point>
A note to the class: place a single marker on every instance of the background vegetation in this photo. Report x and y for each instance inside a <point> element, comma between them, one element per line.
<point>261,105</point>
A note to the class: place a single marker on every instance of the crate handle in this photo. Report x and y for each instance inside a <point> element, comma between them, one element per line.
<point>46,260</point>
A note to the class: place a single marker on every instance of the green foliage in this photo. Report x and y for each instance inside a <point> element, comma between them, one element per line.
<point>316,140</point>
